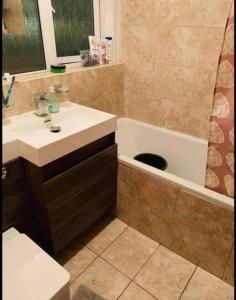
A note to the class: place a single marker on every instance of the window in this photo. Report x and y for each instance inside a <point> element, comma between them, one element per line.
<point>73,23</point>
<point>25,52</point>
<point>56,31</point>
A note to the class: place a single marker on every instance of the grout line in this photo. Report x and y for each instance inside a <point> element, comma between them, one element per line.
<point>145,290</point>
<point>187,283</point>
<point>161,25</point>
<point>146,262</point>
<point>124,290</point>
<point>131,61</point>
<point>113,240</point>
<point>98,256</point>
<point>83,270</point>
<point>226,264</point>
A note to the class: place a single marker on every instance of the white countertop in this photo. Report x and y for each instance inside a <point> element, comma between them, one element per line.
<point>28,136</point>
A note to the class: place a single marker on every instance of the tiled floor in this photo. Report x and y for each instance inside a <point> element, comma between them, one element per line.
<point>118,262</point>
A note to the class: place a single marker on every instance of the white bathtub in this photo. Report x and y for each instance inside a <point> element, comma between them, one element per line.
<point>186,157</point>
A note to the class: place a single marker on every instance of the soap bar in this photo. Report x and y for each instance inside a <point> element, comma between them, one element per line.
<point>60,68</point>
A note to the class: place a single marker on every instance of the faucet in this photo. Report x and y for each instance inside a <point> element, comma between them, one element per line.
<point>42,105</point>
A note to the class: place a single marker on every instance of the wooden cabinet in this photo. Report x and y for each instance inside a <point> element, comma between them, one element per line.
<point>16,206</point>
<point>71,193</point>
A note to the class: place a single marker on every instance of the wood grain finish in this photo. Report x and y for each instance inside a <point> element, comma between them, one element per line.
<point>71,193</point>
<point>17,210</point>
<point>68,161</point>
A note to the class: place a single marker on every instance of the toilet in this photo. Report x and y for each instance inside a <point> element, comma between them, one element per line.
<point>29,273</point>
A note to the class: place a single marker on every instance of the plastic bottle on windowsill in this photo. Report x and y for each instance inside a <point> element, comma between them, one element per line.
<point>109,50</point>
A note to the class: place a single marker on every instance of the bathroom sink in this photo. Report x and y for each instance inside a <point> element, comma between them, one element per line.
<point>79,125</point>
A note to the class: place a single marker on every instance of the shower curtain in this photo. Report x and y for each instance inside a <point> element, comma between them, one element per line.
<point>220,163</point>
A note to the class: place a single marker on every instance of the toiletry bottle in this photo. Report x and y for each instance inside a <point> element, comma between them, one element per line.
<point>102,46</point>
<point>52,98</point>
<point>109,51</point>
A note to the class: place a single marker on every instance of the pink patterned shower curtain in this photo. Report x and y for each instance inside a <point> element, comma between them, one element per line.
<point>220,164</point>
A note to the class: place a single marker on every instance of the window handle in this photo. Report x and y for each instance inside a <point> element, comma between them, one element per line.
<point>53,10</point>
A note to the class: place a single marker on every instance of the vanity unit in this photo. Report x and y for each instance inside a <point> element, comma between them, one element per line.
<point>16,205</point>
<point>67,180</point>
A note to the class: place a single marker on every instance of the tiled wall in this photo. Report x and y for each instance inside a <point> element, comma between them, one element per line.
<point>171,50</point>
<point>190,226</point>
<point>99,87</point>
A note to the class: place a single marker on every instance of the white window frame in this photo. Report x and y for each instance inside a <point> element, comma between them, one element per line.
<point>106,14</point>
<point>48,32</point>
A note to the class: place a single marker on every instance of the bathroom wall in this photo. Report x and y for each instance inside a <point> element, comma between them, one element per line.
<point>97,87</point>
<point>190,226</point>
<point>171,50</point>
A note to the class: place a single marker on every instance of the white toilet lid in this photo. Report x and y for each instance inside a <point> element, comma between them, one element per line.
<point>29,273</point>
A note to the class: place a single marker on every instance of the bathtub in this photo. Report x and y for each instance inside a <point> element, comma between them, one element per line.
<point>186,157</point>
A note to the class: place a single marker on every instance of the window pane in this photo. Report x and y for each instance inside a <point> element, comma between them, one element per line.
<point>73,23</point>
<point>24,52</point>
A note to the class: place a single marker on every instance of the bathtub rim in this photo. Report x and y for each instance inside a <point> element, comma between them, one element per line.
<point>164,130</point>
<point>183,184</point>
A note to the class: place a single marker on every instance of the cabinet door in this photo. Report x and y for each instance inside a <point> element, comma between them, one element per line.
<point>78,197</point>
<point>15,202</point>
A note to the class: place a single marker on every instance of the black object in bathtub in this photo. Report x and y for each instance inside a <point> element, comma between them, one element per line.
<point>153,160</point>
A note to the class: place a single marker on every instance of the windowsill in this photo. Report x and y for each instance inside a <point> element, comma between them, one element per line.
<point>46,73</point>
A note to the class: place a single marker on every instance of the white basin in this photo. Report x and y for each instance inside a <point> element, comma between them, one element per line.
<point>80,125</point>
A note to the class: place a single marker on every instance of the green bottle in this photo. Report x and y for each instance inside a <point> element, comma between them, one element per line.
<point>52,98</point>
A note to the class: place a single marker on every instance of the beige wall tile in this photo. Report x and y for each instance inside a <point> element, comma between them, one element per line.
<point>130,252</point>
<point>104,279</point>
<point>209,253</point>
<point>185,46</point>
<point>111,103</point>
<point>110,80</point>
<point>134,292</point>
<point>187,118</point>
<point>206,286</point>
<point>102,234</point>
<point>172,53</point>
<point>146,190</point>
<point>190,85</point>
<point>208,218</point>
<point>165,275</point>
<point>229,270</point>
<point>139,12</point>
<point>170,96</point>
<point>194,13</point>
<point>142,218</point>
<point>197,47</point>
<point>149,109</point>
<point>141,78</point>
<point>136,42</point>
<point>101,88</point>
<point>174,115</point>
<point>192,227</point>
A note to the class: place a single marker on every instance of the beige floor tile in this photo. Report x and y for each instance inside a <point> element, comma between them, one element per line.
<point>165,275</point>
<point>76,258</point>
<point>135,292</point>
<point>204,286</point>
<point>102,278</point>
<point>102,234</point>
<point>130,252</point>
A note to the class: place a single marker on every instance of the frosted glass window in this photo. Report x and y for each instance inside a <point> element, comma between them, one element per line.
<point>25,52</point>
<point>73,23</point>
